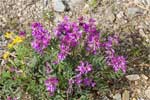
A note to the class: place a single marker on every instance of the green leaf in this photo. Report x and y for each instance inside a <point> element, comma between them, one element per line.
<point>33,61</point>
<point>5,75</point>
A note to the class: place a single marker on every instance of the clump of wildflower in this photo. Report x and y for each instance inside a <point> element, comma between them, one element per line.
<point>41,37</point>
<point>92,37</point>
<point>117,62</point>
<point>73,34</point>
<point>81,78</point>
<point>51,84</point>
<point>93,43</point>
<point>6,55</point>
<point>84,68</point>
<point>68,34</point>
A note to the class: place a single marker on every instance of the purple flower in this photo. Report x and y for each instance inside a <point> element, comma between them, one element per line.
<point>68,33</point>
<point>93,43</point>
<point>89,82</point>
<point>117,62</point>
<point>78,79</point>
<point>81,78</point>
<point>22,33</point>
<point>41,37</point>
<point>84,68</point>
<point>51,84</point>
<point>73,34</point>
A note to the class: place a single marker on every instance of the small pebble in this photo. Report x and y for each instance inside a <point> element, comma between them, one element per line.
<point>117,96</point>
<point>133,77</point>
<point>144,77</point>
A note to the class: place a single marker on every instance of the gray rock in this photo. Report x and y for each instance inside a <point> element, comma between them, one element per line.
<point>125,95</point>
<point>117,96</point>
<point>133,77</point>
<point>105,98</point>
<point>74,3</point>
<point>147,92</point>
<point>58,5</point>
<point>148,2</point>
<point>140,98</point>
<point>45,2</point>
<point>132,11</point>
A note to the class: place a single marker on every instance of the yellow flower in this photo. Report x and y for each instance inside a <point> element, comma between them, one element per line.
<point>8,34</point>
<point>6,55</point>
<point>10,45</point>
<point>17,39</point>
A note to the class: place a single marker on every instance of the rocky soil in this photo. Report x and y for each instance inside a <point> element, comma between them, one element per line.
<point>128,18</point>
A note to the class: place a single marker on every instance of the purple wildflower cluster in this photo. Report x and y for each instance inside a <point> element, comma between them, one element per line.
<point>41,37</point>
<point>51,84</point>
<point>117,62</point>
<point>69,34</point>
<point>81,77</point>
<point>72,34</point>
<point>84,68</point>
<point>92,35</point>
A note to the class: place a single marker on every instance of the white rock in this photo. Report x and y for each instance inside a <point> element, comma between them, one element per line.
<point>133,77</point>
<point>117,96</point>
<point>58,5</point>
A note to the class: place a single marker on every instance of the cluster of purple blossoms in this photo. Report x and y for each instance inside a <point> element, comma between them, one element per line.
<point>51,84</point>
<point>117,62</point>
<point>41,37</point>
<point>84,68</point>
<point>92,35</point>
<point>68,34</point>
<point>72,34</point>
